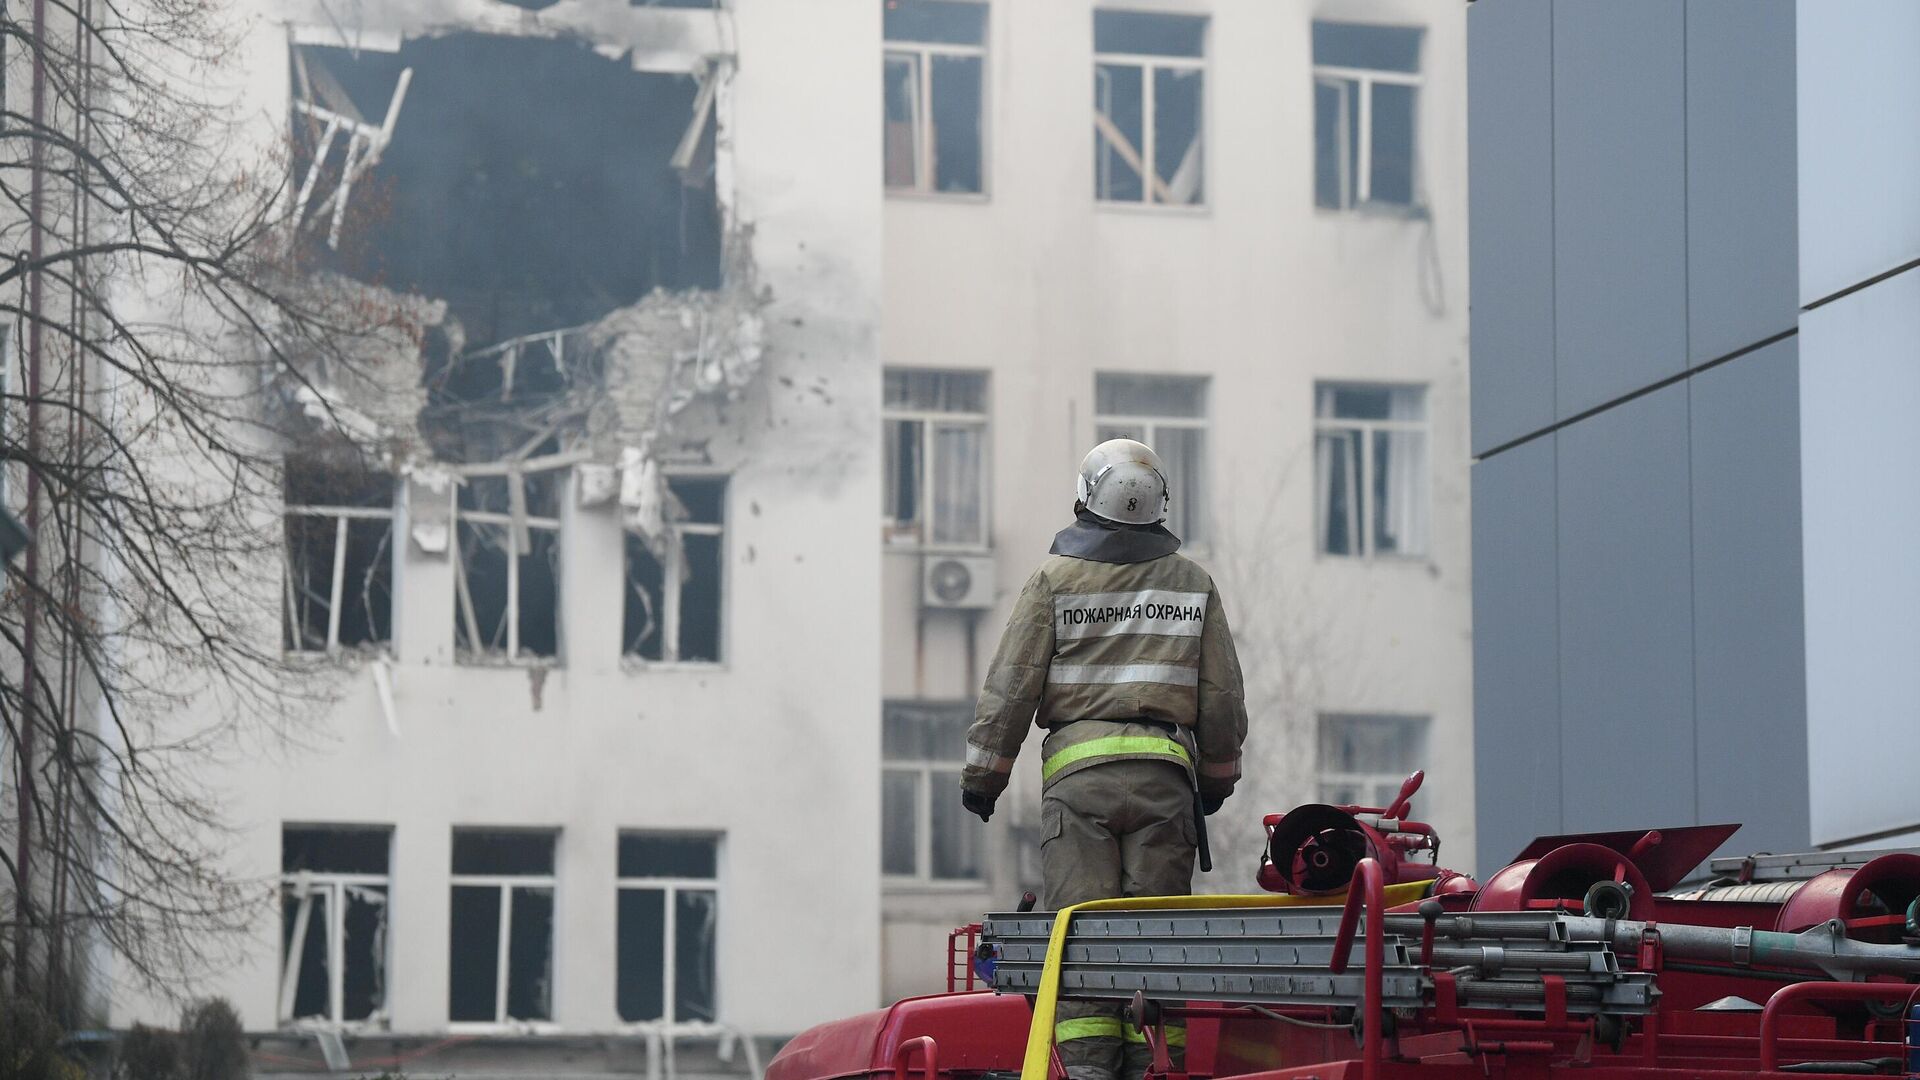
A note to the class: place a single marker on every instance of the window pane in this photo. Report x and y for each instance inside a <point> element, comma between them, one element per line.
<point>1369,401</point>
<point>903,472</point>
<point>540,594</point>
<point>344,850</point>
<point>935,391</point>
<point>364,981</point>
<point>1149,33</point>
<point>956,836</point>
<point>530,956</point>
<point>899,815</point>
<point>695,923</point>
<point>1381,48</point>
<point>473,961</point>
<point>655,855</point>
<point>1331,184</point>
<point>945,22</point>
<point>701,599</point>
<point>1389,745</point>
<point>957,96</point>
<point>900,105</point>
<point>366,593</point>
<point>1337,486</point>
<point>917,731</point>
<point>958,517</point>
<point>641,954</point>
<point>1174,396</point>
<point>1177,126</point>
<point>314,483</point>
<point>1400,492</point>
<point>703,497</point>
<point>310,997</point>
<point>310,543</point>
<point>1184,453</point>
<point>642,626</point>
<point>484,851</point>
<point>1392,174</point>
<point>1117,132</point>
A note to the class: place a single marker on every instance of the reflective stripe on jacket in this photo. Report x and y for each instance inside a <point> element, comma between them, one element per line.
<point>1094,647</point>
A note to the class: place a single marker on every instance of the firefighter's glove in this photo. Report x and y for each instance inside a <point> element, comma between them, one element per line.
<point>1210,804</point>
<point>977,803</point>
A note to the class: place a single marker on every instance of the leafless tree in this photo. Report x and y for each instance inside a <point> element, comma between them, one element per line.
<point>158,309</point>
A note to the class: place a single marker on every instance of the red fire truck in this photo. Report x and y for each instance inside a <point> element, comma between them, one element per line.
<point>1364,960</point>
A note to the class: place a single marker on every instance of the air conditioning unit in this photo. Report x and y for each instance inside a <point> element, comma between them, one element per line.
<point>956,581</point>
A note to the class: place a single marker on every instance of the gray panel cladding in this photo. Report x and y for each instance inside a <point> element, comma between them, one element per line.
<point>1516,663</point>
<point>1749,655</point>
<point>1619,180</point>
<point>1626,625</point>
<point>1742,219</point>
<point>1510,215</point>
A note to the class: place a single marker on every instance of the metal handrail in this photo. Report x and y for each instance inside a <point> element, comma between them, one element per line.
<point>1367,888</point>
<point>1796,993</point>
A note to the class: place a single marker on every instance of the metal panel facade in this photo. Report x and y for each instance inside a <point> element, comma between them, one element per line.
<point>1749,659</point>
<point>1741,233</point>
<point>1516,662</point>
<point>1626,624</point>
<point>1510,153</point>
<point>1619,177</point>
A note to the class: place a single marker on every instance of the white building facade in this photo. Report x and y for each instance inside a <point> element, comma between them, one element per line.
<point>1236,230</point>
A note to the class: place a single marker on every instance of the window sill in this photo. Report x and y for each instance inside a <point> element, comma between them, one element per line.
<point>636,665</point>
<point>1376,212</point>
<point>901,547</point>
<point>1332,559</point>
<point>349,656</point>
<point>897,884</point>
<point>468,660</point>
<point>1147,209</point>
<point>960,198</point>
<point>510,1027</point>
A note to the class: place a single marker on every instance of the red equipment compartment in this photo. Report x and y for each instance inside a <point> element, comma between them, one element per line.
<point>1874,900</point>
<point>976,1032</point>
<point>1560,880</point>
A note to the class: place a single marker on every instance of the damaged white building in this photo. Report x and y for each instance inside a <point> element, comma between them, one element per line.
<point>642,725</point>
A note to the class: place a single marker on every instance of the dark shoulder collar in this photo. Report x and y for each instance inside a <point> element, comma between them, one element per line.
<point>1098,541</point>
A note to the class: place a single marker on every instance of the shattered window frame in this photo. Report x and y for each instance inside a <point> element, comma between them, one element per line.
<point>507,885</point>
<point>671,887</point>
<point>1191,483</point>
<point>328,892</point>
<point>932,777</point>
<point>1110,141</point>
<point>671,624</point>
<point>295,639</point>
<point>515,524</point>
<point>922,528</point>
<point>1347,452</point>
<point>1351,140</point>
<point>919,57</point>
<point>1370,782</point>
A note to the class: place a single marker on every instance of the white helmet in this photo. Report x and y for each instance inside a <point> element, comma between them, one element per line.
<point>1122,480</point>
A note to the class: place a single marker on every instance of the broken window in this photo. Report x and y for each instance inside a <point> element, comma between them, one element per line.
<point>506,584</point>
<point>934,90</point>
<point>669,894</point>
<point>1364,758</point>
<point>334,888</point>
<point>1370,466</point>
<point>1149,78</point>
<point>531,182</point>
<point>500,965</point>
<point>682,622</point>
<point>1169,414</point>
<point>936,457</point>
<point>926,835</point>
<point>339,579</point>
<point>1366,85</point>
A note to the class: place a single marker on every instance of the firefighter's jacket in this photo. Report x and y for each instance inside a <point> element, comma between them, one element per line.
<point>1092,649</point>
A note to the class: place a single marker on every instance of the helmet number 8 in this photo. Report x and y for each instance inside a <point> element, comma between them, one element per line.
<point>1133,504</point>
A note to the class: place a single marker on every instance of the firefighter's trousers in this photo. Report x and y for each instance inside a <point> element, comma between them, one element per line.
<point>1119,828</point>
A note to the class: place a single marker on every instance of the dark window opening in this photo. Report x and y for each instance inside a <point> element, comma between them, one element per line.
<point>669,907</point>
<point>339,558</point>
<point>675,599</point>
<point>1149,82</point>
<point>502,906</point>
<point>480,851</point>
<point>532,183</point>
<point>333,903</point>
<point>1366,88</point>
<point>507,576</point>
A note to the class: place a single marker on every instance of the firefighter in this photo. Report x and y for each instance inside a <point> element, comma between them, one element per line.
<point>1119,648</point>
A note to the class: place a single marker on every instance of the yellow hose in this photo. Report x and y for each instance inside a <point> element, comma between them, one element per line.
<point>1040,1035</point>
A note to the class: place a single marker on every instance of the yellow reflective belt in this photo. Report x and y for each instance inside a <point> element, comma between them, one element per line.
<point>1087,1027</point>
<point>1110,746</point>
<point>1176,1036</point>
<point>1040,1034</point>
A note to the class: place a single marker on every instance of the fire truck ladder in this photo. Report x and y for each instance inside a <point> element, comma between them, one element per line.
<point>1278,957</point>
